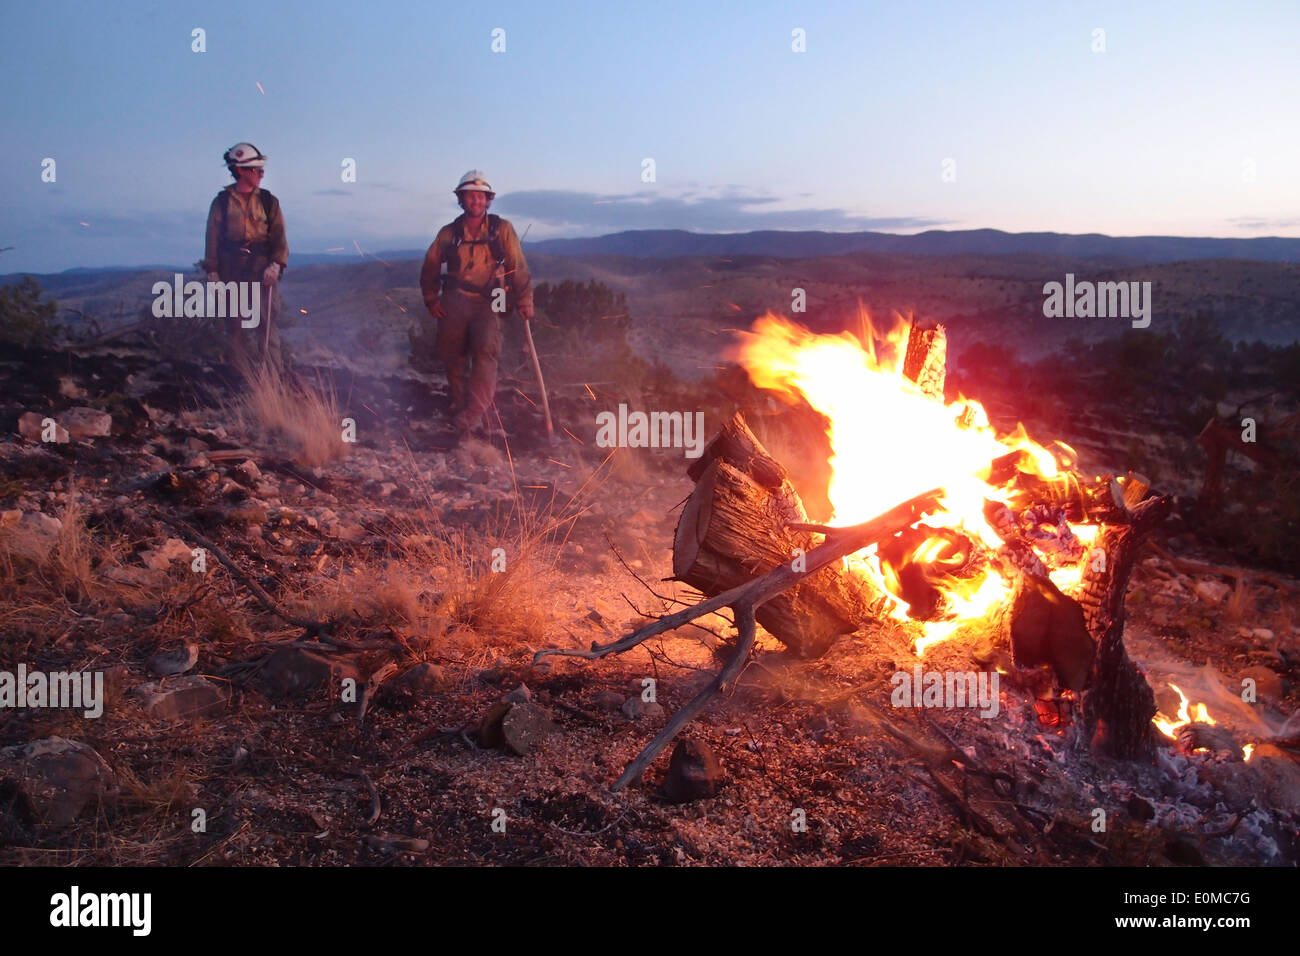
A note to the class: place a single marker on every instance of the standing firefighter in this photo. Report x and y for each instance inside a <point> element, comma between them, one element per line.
<point>246,243</point>
<point>484,270</point>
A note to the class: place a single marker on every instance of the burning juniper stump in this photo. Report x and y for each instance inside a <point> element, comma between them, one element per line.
<point>744,541</point>
<point>1119,704</point>
<point>736,526</point>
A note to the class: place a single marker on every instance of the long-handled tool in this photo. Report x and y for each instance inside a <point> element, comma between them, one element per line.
<point>267,318</point>
<point>537,367</point>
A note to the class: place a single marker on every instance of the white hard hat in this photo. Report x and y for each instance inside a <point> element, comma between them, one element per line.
<point>245,155</point>
<point>474,181</point>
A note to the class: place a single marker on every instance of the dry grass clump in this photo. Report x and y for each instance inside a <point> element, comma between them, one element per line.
<point>285,411</point>
<point>1241,605</point>
<point>68,582</point>
<point>379,595</point>
<point>444,579</point>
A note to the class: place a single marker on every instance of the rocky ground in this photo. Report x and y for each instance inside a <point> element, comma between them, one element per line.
<point>346,676</point>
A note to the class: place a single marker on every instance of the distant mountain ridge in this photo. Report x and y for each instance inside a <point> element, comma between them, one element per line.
<point>667,243</point>
<point>674,243</point>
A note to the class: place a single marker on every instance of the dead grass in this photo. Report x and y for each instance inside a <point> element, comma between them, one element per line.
<point>303,419</point>
<point>376,595</point>
<point>67,583</point>
<point>1240,605</point>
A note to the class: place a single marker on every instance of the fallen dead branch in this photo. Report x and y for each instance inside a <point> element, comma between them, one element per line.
<point>312,627</point>
<point>744,600</point>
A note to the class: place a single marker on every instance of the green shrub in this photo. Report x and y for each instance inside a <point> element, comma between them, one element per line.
<point>25,320</point>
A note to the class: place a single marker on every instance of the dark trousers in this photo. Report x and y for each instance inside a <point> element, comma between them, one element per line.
<point>469,344</point>
<point>250,348</point>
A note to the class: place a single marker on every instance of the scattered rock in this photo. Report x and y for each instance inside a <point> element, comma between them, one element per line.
<point>182,698</point>
<point>294,672</point>
<point>419,680</point>
<point>389,843</point>
<point>634,708</point>
<point>33,536</point>
<point>250,511</point>
<point>57,778</point>
<point>489,728</point>
<point>83,422</point>
<point>160,559</point>
<point>525,726</point>
<point>520,695</point>
<point>31,426</point>
<point>609,700</point>
<point>1262,634</point>
<point>1268,683</point>
<point>1212,591</point>
<point>1277,777</point>
<point>249,470</point>
<point>176,661</point>
<point>69,388</point>
<point>693,772</point>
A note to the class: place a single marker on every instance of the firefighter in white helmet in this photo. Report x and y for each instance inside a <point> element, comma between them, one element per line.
<point>471,259</point>
<point>246,243</point>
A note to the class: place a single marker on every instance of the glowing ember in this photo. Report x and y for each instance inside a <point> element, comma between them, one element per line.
<point>890,441</point>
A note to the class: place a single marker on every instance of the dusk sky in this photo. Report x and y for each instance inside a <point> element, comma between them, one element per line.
<point>1186,124</point>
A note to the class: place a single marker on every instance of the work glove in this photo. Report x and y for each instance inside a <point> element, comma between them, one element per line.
<point>272,274</point>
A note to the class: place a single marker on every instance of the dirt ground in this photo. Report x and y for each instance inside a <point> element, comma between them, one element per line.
<point>393,544</point>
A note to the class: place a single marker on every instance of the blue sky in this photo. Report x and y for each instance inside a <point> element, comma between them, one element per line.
<point>1185,125</point>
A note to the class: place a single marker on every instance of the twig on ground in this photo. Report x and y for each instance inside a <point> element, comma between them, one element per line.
<point>264,599</point>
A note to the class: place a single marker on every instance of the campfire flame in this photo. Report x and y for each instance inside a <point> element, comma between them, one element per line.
<point>890,441</point>
<point>1170,726</point>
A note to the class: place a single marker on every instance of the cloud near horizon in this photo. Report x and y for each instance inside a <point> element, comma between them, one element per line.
<point>567,210</point>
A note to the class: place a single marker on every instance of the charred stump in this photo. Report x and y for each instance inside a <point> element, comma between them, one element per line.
<point>734,528</point>
<point>1119,703</point>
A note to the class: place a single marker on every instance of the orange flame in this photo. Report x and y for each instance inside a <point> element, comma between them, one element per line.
<point>890,441</point>
<point>1170,726</point>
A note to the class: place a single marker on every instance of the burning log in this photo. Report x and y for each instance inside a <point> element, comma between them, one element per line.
<point>737,525</point>
<point>924,562</point>
<point>926,361</point>
<point>1119,704</point>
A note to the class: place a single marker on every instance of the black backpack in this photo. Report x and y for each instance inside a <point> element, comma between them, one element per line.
<point>451,255</point>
